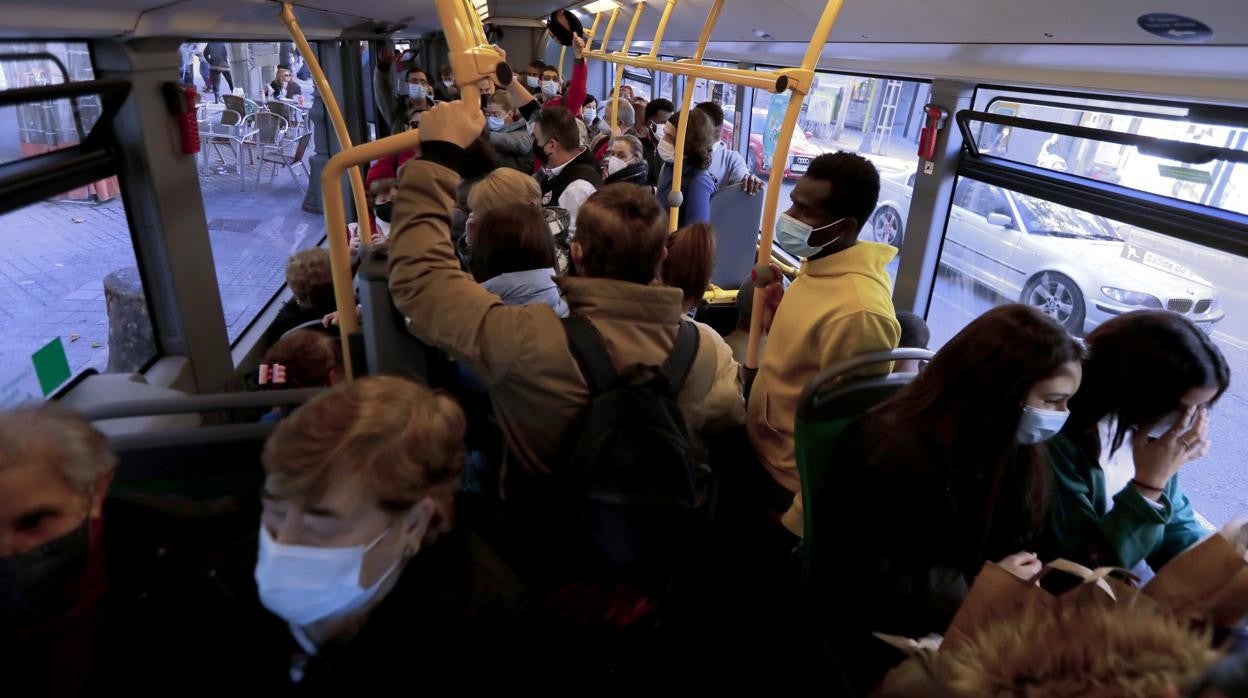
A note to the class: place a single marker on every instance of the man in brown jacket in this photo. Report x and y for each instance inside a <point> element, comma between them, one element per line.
<point>521,352</point>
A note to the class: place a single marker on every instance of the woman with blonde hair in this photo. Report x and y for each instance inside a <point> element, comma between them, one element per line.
<point>360,569</point>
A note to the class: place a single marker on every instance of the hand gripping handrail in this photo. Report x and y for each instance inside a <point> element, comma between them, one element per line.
<point>472,60</point>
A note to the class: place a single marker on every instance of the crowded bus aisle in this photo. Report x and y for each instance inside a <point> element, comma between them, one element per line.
<point>548,462</point>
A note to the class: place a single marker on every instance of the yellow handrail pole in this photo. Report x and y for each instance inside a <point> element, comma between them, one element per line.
<point>593,31</point>
<point>776,180</point>
<point>619,69</point>
<point>335,226</point>
<point>563,54</point>
<point>675,198</point>
<point>606,36</point>
<point>471,62</point>
<point>772,81</point>
<point>478,28</point>
<point>662,29</point>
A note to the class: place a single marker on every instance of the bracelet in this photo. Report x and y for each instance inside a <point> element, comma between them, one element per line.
<point>1137,483</point>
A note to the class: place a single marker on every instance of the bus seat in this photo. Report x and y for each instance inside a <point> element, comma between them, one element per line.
<point>734,216</point>
<point>389,349</point>
<point>832,401</point>
<point>107,388</point>
<point>199,462</point>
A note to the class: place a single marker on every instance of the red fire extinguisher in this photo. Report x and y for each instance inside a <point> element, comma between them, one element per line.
<point>934,120</point>
<point>181,102</point>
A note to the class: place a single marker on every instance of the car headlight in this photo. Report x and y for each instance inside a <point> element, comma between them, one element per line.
<point>1143,300</point>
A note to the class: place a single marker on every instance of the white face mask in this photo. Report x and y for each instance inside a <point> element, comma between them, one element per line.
<point>449,83</point>
<point>1164,425</point>
<point>496,123</point>
<point>615,164</point>
<point>416,91</point>
<point>1039,425</point>
<point>667,151</point>
<point>532,81</point>
<point>589,114</point>
<point>793,236</point>
<point>304,584</point>
<point>550,88</point>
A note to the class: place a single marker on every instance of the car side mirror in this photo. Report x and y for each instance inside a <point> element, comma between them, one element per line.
<point>1000,219</point>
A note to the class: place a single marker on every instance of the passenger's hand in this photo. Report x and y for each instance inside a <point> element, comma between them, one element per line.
<point>1022,565</point>
<point>751,185</point>
<point>1156,461</point>
<point>578,47</point>
<point>330,320</point>
<point>454,122</point>
<point>772,294</point>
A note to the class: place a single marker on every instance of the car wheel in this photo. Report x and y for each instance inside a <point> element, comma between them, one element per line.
<point>1058,297</point>
<point>886,227</point>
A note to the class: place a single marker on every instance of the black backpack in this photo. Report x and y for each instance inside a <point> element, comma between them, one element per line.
<point>631,466</point>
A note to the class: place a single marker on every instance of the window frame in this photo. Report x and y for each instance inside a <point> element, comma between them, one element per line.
<point>1219,229</point>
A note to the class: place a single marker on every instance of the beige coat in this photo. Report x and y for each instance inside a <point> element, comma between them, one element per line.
<point>521,352</point>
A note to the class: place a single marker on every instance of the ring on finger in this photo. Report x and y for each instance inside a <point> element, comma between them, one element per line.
<point>1186,446</point>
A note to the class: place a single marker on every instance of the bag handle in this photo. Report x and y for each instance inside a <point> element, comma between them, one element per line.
<point>1089,576</point>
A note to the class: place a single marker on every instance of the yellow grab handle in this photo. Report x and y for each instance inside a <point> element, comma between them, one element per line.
<point>335,230</point>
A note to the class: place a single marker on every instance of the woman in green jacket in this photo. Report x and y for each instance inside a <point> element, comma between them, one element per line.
<point>1141,414</point>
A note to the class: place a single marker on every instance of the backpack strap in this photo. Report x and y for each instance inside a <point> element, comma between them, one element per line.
<point>590,353</point>
<point>680,361</point>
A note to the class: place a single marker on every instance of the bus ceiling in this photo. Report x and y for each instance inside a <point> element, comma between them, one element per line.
<point>1057,22</point>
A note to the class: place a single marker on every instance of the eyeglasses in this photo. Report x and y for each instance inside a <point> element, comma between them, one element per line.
<point>413,124</point>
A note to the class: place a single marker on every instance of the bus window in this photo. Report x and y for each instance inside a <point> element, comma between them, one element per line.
<point>69,271</point>
<point>1083,269</point>
<point>253,170</point>
<point>667,84</point>
<point>724,95</point>
<point>1215,183</point>
<point>640,81</point>
<point>879,118</point>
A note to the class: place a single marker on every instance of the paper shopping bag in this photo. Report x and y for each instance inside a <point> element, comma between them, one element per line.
<point>1207,581</point>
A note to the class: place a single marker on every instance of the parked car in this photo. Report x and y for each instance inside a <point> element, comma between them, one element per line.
<point>1071,264</point>
<point>801,150</point>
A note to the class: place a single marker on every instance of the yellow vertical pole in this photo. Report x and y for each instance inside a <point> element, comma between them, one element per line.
<point>340,256</point>
<point>606,36</point>
<point>563,53</point>
<point>619,69</point>
<point>662,29</point>
<point>593,30</point>
<point>673,214</point>
<point>783,141</point>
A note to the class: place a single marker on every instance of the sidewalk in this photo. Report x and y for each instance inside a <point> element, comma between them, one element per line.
<point>58,253</point>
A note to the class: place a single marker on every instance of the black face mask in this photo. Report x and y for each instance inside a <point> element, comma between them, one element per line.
<point>384,211</point>
<point>31,583</point>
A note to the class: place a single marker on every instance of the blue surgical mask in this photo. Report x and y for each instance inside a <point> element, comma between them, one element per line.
<point>1038,425</point>
<point>303,584</point>
<point>550,88</point>
<point>532,81</point>
<point>416,91</point>
<point>496,123</point>
<point>793,236</point>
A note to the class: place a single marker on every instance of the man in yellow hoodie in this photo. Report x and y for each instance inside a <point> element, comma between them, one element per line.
<point>838,307</point>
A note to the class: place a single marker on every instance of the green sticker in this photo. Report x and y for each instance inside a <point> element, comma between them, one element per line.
<point>51,365</point>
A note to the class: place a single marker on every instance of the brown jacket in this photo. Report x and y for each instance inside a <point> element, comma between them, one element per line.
<point>521,351</point>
